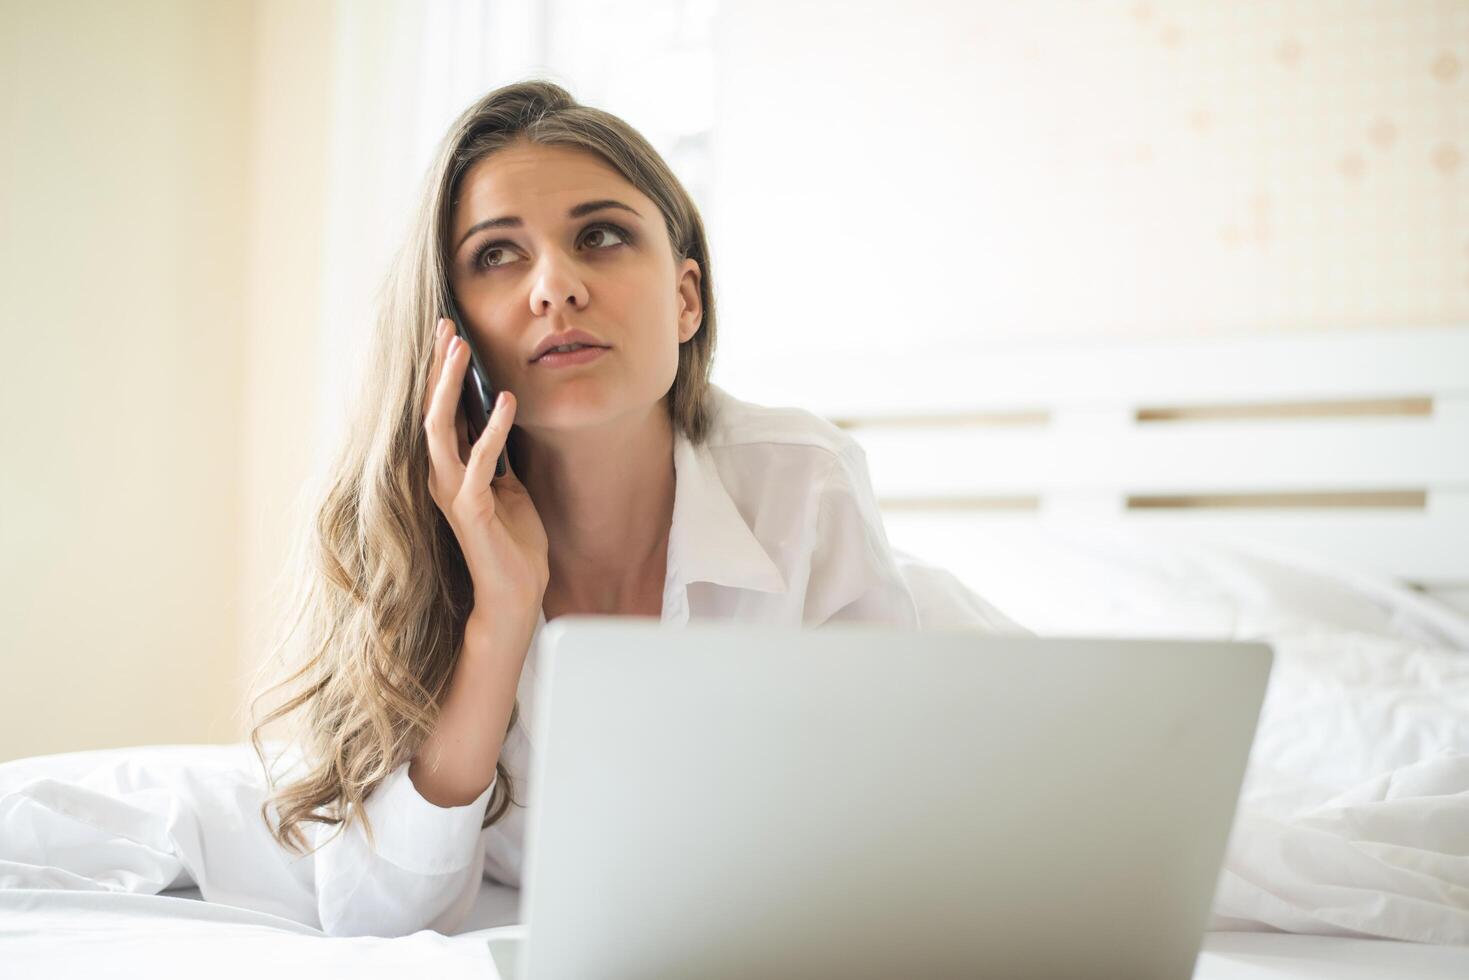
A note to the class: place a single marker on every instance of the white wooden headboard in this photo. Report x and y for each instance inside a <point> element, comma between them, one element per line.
<point>1350,444</point>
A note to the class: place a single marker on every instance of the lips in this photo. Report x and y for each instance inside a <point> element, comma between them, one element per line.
<point>577,347</point>
<point>555,360</point>
<point>564,338</point>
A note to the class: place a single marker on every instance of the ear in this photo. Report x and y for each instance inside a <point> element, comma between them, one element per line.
<point>691,304</point>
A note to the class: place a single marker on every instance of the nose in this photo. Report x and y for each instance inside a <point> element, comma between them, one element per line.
<point>557,287</point>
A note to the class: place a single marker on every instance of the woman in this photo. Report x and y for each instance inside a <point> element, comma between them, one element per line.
<point>634,487</point>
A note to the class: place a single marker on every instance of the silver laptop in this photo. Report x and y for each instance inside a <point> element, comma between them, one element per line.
<point>717,800</point>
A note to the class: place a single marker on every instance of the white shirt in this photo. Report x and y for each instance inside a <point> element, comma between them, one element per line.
<point>774,522</point>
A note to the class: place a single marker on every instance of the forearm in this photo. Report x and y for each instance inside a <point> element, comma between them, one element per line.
<point>457,761</point>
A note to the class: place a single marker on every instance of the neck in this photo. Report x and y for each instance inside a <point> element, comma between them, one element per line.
<point>605,497</point>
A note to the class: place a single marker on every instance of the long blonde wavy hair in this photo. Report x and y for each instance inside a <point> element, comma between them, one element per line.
<point>378,581</point>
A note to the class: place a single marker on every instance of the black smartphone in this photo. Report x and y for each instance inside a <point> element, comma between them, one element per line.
<point>477,397</point>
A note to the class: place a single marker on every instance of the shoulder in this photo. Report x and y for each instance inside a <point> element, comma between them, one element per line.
<point>787,468</point>
<point>738,424</point>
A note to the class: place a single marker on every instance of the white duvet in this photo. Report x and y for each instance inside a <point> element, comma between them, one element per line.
<point>1353,821</point>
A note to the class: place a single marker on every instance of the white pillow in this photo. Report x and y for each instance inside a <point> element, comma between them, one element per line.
<point>1109,581</point>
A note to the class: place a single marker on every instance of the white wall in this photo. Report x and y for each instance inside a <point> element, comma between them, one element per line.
<point>906,174</point>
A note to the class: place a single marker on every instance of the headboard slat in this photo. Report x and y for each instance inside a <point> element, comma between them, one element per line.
<point>1352,443</point>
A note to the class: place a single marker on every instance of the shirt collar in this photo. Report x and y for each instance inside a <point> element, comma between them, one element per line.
<point>709,541</point>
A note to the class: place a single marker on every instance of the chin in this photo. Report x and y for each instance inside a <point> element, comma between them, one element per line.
<point>575,406</point>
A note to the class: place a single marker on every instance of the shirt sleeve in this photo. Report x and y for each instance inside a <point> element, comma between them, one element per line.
<point>854,573</point>
<point>424,873</point>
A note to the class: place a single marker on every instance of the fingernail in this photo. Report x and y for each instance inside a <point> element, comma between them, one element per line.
<point>453,346</point>
<point>439,329</point>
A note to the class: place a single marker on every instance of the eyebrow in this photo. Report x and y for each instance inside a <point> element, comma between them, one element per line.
<point>514,222</point>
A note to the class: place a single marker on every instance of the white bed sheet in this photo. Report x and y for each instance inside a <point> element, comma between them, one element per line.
<point>173,936</point>
<point>52,933</point>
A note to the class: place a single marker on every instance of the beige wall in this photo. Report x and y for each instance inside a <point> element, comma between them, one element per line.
<point>158,275</point>
<point>282,365</point>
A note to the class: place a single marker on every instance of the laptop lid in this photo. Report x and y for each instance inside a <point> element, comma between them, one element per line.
<point>724,800</point>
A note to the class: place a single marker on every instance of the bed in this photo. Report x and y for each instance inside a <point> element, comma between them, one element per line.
<point>1312,492</point>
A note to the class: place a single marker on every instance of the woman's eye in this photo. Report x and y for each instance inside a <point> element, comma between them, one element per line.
<point>605,230</point>
<point>485,255</point>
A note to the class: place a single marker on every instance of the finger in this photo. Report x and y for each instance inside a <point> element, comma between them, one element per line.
<point>481,468</point>
<point>443,333</point>
<point>439,425</point>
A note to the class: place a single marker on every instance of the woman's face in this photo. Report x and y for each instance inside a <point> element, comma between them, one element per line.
<point>609,271</point>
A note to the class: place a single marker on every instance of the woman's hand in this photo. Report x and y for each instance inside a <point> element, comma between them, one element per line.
<point>499,530</point>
